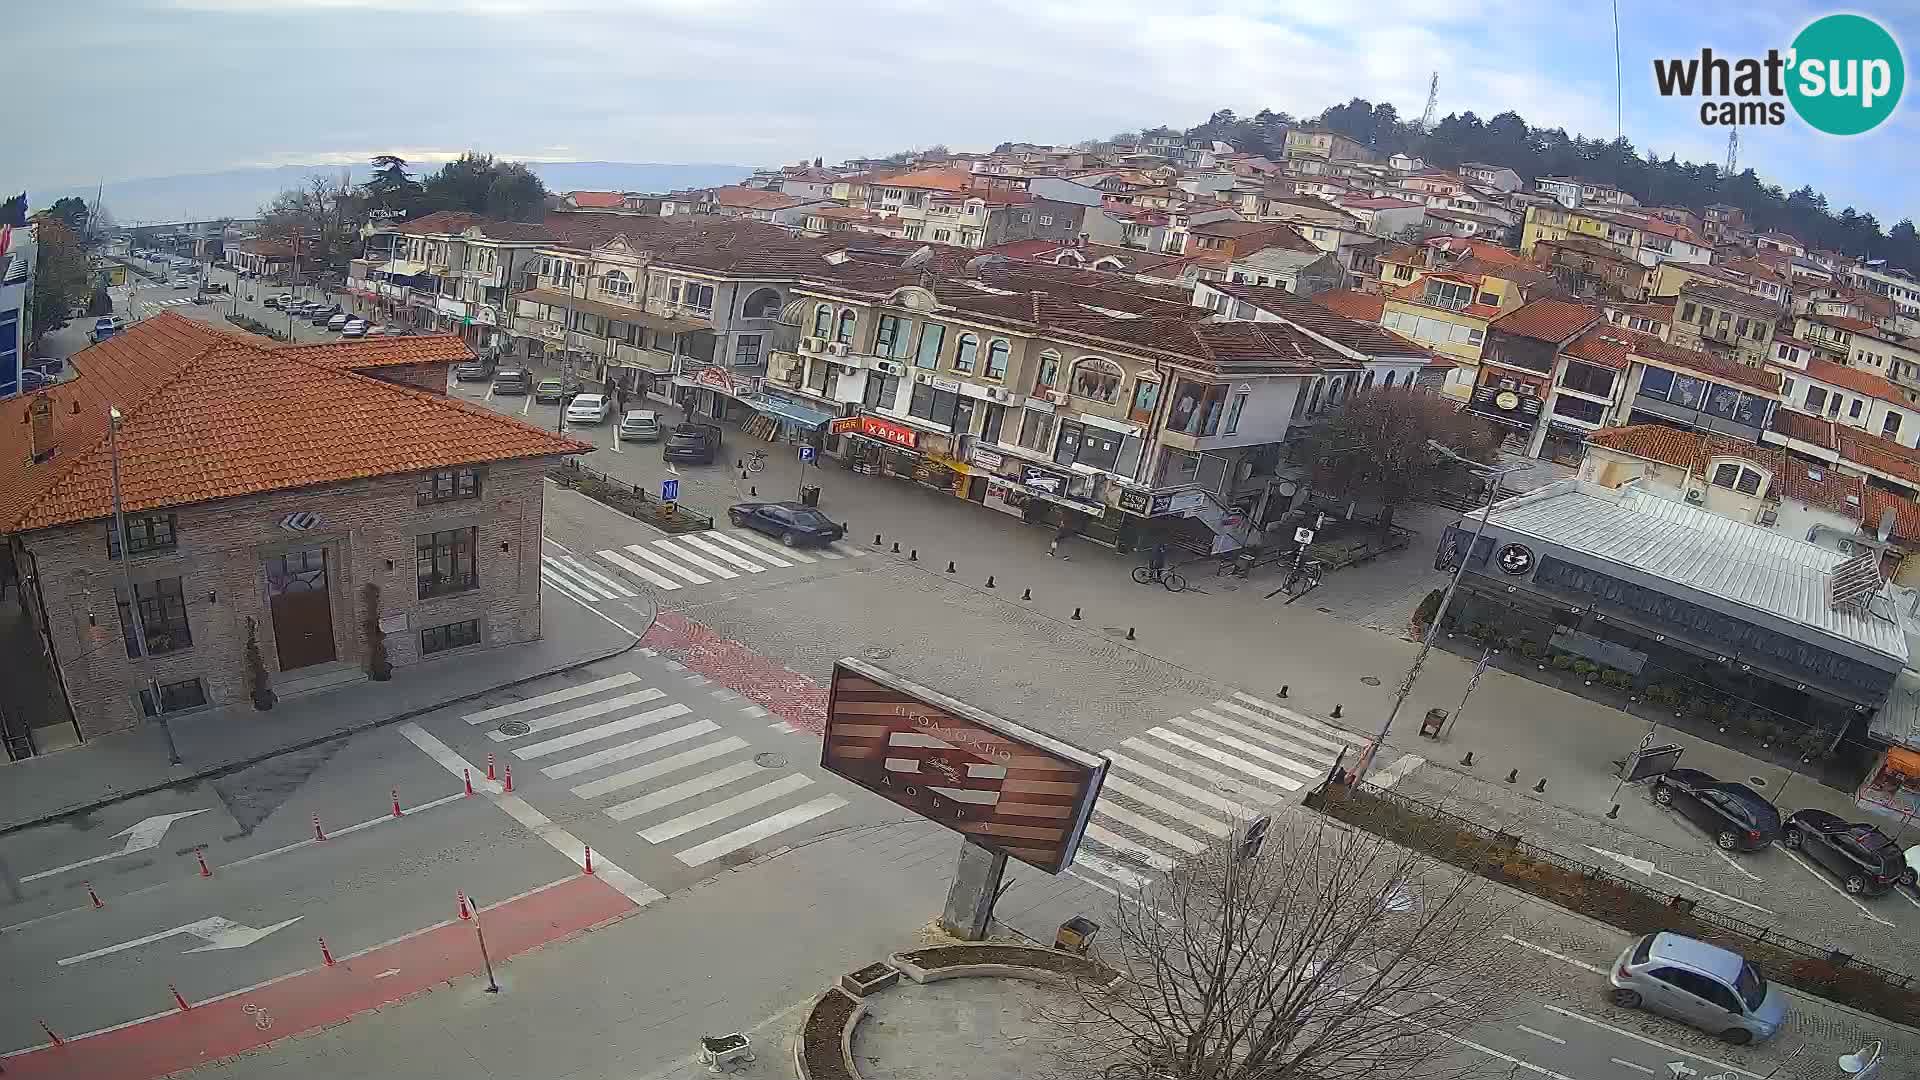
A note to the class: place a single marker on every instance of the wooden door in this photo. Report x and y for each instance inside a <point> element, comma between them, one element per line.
<point>302,609</point>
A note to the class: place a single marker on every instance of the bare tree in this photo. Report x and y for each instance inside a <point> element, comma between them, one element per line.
<point>1376,446</point>
<point>1324,954</point>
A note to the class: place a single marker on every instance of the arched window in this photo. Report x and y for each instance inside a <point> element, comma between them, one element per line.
<point>1096,378</point>
<point>616,283</point>
<point>763,304</point>
<point>1313,403</point>
<point>965,353</point>
<point>1367,383</point>
<point>844,332</point>
<point>1047,375</point>
<point>1389,383</point>
<point>822,321</point>
<point>997,351</point>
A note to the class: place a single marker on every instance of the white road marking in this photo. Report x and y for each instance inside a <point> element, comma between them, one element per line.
<point>582,712</point>
<point>1630,1064</point>
<point>1224,758</point>
<point>638,571</point>
<point>1195,769</point>
<point>687,789</point>
<point>572,591</point>
<point>388,974</point>
<point>525,405</point>
<point>665,564</point>
<point>1850,898</point>
<point>753,544</point>
<point>642,773</point>
<point>696,559</point>
<point>559,839</point>
<point>760,830</point>
<point>1179,786</point>
<point>725,808</point>
<point>1292,731</point>
<point>1302,719</point>
<point>1311,753</point>
<point>142,835</point>
<point>1562,957</point>
<point>601,731</point>
<point>1730,861</point>
<point>1635,1036</point>
<point>1172,808</point>
<point>1536,1032</point>
<point>501,712</point>
<point>1107,838</point>
<point>720,552</point>
<point>1645,866</point>
<point>1087,860</point>
<point>1395,772</point>
<point>1143,824</point>
<point>625,750</point>
<point>615,587</point>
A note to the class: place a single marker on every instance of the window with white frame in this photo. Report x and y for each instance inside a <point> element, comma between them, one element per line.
<point>1046,219</point>
<point>942,236</point>
<point>965,352</point>
<point>997,352</point>
<point>746,350</point>
<point>615,283</point>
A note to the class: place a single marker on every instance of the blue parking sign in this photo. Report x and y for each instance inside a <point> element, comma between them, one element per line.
<point>806,454</point>
<point>669,490</point>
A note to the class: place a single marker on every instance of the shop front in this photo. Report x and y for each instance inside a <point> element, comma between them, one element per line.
<point>1055,497</point>
<point>794,420</point>
<point>716,394</point>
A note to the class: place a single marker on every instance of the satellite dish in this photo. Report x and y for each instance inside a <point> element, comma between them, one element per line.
<point>1886,524</point>
<point>919,258</point>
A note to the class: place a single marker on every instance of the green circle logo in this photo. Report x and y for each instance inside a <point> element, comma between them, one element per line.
<point>1847,74</point>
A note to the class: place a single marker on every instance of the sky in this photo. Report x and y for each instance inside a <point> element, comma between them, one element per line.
<point>142,88</point>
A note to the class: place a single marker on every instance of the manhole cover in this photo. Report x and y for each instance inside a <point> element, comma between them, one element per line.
<point>1370,680</point>
<point>514,727</point>
<point>1324,610</point>
<point>770,761</point>
<point>1756,781</point>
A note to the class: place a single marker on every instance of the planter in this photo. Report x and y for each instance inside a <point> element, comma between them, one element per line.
<point>869,979</point>
<point>1023,962</point>
<point>824,1048</point>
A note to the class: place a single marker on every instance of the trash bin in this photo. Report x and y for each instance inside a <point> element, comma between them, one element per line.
<point>1076,935</point>
<point>810,495</point>
<point>1434,721</point>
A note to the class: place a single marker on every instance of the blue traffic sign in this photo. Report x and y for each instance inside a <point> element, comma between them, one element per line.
<point>806,454</point>
<point>669,490</point>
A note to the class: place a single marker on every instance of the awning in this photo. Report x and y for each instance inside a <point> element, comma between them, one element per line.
<point>402,268</point>
<point>793,411</point>
<point>616,312</point>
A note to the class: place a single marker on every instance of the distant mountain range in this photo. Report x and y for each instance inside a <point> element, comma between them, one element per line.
<point>240,192</point>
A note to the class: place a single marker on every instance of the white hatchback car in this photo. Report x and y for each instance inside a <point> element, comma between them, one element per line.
<point>589,409</point>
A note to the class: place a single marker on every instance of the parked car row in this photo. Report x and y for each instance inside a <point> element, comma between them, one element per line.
<point>1864,859</point>
<point>328,316</point>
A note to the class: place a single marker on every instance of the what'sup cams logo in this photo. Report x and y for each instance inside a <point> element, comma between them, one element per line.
<point>1843,75</point>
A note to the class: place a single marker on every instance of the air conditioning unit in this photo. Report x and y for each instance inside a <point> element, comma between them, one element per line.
<point>923,376</point>
<point>1058,397</point>
<point>995,393</point>
<point>1769,515</point>
<point>890,367</point>
<point>811,344</point>
<point>1695,495</point>
<point>840,348</point>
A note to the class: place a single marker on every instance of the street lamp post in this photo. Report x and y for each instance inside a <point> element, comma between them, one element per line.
<point>1494,477</point>
<point>126,586</point>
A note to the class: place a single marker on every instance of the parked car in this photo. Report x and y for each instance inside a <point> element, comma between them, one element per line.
<point>325,314</point>
<point>1736,816</point>
<point>555,390</point>
<point>214,286</point>
<point>106,326</point>
<point>50,366</point>
<point>183,283</point>
<point>794,524</point>
<point>354,328</point>
<point>276,300</point>
<point>513,381</point>
<point>1861,856</point>
<point>1701,985</point>
<point>339,321</point>
<point>479,370</point>
<point>639,425</point>
<point>589,409</point>
<point>692,442</point>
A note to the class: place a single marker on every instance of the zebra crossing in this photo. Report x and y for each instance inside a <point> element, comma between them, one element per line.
<point>154,305</point>
<point>678,779</point>
<point>1186,783</point>
<point>679,562</point>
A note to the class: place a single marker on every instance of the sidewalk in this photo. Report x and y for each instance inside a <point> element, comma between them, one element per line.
<point>128,764</point>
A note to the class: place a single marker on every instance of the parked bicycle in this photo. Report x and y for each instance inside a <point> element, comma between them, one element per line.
<point>1305,578</point>
<point>1168,577</point>
<point>756,460</point>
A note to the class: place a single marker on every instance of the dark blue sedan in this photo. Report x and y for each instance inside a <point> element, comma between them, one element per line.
<point>795,524</point>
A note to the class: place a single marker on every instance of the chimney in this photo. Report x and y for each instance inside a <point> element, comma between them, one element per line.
<point>40,427</point>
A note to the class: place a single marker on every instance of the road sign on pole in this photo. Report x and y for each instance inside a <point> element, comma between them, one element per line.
<point>806,455</point>
<point>669,489</point>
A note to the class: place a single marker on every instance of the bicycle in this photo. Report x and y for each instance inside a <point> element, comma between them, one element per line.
<point>1307,576</point>
<point>1169,578</point>
<point>756,460</point>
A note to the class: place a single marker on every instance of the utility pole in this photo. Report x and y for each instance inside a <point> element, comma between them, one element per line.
<point>1494,477</point>
<point>1733,151</point>
<point>126,587</point>
<point>1433,103</point>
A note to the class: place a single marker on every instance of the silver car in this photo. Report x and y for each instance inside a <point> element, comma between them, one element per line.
<point>1701,985</point>
<point>639,425</point>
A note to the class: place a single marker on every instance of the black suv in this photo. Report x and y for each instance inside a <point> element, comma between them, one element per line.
<point>513,381</point>
<point>692,442</point>
<point>1736,816</point>
<point>1861,856</point>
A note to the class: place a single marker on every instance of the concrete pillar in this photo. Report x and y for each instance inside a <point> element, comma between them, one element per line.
<point>976,884</point>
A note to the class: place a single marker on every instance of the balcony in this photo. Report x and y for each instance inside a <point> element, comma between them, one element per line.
<point>645,359</point>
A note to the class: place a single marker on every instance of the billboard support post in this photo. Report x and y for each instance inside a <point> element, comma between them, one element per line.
<point>976,885</point>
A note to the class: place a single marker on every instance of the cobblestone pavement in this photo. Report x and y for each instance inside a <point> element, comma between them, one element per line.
<point>961,1029</point>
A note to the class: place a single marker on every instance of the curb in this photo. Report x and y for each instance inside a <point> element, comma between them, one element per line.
<point>224,768</point>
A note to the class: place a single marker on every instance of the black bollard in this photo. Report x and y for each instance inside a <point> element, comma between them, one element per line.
<point>1076,613</point>
<point>753,493</point>
<point>1283,691</point>
<point>1513,777</point>
<point>1541,786</point>
<point>740,464</point>
<point>1336,710</point>
<point>1614,814</point>
<point>1129,633</point>
<point>989,581</point>
<point>1468,760</point>
<point>913,555</point>
<point>1026,594</point>
<point>896,547</point>
<point>743,476</point>
<point>876,539</point>
<point>949,566</point>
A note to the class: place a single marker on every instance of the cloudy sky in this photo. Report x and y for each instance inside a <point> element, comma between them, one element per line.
<point>141,88</point>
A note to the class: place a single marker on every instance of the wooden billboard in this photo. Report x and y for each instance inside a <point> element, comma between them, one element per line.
<point>1004,786</point>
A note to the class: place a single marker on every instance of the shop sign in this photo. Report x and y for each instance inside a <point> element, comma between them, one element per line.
<point>987,459</point>
<point>952,386</point>
<point>1179,502</point>
<point>885,431</point>
<point>1516,559</point>
<point>721,379</point>
<point>1135,502</point>
<point>487,316</point>
<point>843,425</point>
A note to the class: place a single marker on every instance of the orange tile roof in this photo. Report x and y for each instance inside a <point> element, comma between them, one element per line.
<point>937,179</point>
<point>1906,513</point>
<point>1655,442</point>
<point>1352,303</point>
<point>1815,484</point>
<point>1854,379</point>
<point>210,415</point>
<point>1605,345</point>
<point>1549,320</point>
<point>599,200</point>
<point>1841,322</point>
<point>1881,455</point>
<point>1807,429</point>
<point>380,352</point>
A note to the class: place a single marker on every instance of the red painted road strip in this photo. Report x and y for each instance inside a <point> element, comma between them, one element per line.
<point>789,695</point>
<point>325,995</point>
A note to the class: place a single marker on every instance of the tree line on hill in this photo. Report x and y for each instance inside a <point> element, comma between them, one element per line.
<point>1532,152</point>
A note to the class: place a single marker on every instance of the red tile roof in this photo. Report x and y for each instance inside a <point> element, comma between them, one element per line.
<point>598,200</point>
<point>1906,513</point>
<point>1648,347</point>
<point>1814,484</point>
<point>1655,442</point>
<point>209,415</point>
<point>380,352</point>
<point>1352,303</point>
<point>1881,455</point>
<point>1552,321</point>
<point>936,179</point>
<point>1804,428</point>
<point>1605,345</point>
<point>1841,322</point>
<point>1362,336</point>
<point>1854,379</point>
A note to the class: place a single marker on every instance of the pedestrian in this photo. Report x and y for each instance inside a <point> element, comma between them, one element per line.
<point>1157,559</point>
<point>1053,549</point>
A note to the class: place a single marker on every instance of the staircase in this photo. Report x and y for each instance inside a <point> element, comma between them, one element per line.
<point>1211,515</point>
<point>312,680</point>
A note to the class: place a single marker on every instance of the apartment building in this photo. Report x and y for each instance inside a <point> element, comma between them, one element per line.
<point>1725,321</point>
<point>18,252</point>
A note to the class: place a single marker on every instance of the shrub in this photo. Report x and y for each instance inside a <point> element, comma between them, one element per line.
<point>1429,607</point>
<point>258,685</point>
<point>379,668</point>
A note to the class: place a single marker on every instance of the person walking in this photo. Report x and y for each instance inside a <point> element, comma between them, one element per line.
<point>1157,558</point>
<point>1053,549</point>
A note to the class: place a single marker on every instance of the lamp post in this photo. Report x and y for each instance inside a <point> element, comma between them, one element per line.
<point>126,586</point>
<point>1493,476</point>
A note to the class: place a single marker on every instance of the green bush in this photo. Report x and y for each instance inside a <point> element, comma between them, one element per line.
<point>1429,607</point>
